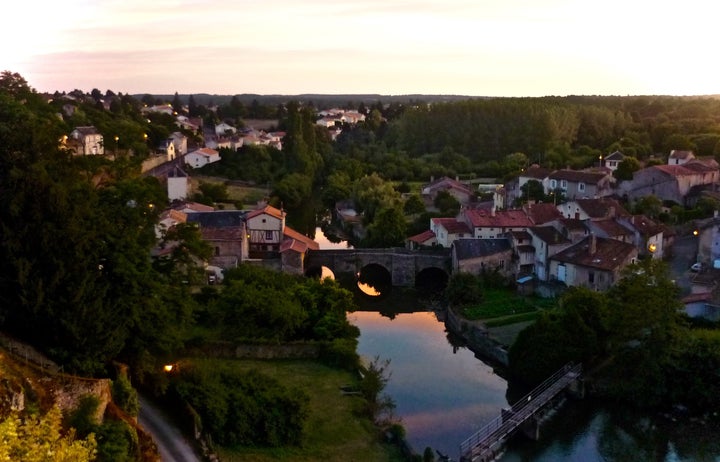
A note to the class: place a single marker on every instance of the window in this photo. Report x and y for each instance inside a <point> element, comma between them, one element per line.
<point>268,235</point>
<point>553,184</point>
<point>581,187</point>
<point>591,277</point>
<point>563,184</point>
<point>264,220</point>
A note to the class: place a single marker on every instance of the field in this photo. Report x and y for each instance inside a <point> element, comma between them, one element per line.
<point>334,431</point>
<point>237,193</point>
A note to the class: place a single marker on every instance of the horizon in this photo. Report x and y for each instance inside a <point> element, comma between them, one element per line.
<point>509,48</point>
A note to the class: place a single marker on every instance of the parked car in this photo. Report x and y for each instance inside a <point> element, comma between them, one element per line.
<point>696,267</point>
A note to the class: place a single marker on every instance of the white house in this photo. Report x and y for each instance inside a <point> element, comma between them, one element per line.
<point>223,128</point>
<point>201,157</point>
<point>86,141</point>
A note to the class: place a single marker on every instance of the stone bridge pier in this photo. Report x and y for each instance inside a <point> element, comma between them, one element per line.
<point>403,265</point>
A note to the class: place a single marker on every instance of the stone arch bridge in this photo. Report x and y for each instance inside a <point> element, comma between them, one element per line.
<point>404,265</point>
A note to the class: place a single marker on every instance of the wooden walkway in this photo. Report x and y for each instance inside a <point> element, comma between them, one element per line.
<point>488,442</point>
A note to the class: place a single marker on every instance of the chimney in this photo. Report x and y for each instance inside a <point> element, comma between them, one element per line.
<point>592,248</point>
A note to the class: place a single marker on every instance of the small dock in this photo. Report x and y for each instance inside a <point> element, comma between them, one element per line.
<point>488,442</point>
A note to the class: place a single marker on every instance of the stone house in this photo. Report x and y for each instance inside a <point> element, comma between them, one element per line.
<point>680,157</point>
<point>612,161</point>
<point>671,182</point>
<point>593,209</point>
<point>449,230</point>
<point>225,231</point>
<point>86,141</point>
<point>265,228</point>
<point>576,184</point>
<point>460,191</point>
<point>478,255</point>
<point>594,263</point>
<point>491,224</point>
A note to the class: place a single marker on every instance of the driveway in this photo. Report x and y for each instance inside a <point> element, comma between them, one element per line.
<point>171,444</point>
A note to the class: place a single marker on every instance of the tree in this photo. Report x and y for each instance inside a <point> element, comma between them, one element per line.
<point>626,168</point>
<point>446,203</point>
<point>375,378</point>
<point>387,229</point>
<point>463,289</point>
<point>33,439</point>
<point>414,205</point>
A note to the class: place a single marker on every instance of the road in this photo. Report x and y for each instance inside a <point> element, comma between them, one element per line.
<point>171,444</point>
<point>684,254</point>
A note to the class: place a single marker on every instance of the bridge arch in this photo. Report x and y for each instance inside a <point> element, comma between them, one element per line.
<point>404,265</point>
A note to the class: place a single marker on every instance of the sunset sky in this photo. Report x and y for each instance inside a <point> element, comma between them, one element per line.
<point>465,47</point>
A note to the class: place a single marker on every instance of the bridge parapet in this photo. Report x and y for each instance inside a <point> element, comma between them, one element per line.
<point>403,264</point>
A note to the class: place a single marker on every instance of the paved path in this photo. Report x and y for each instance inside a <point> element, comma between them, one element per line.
<point>171,444</point>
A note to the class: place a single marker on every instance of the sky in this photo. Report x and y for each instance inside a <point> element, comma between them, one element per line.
<point>390,47</point>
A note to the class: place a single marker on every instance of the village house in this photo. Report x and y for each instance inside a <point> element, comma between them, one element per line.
<point>612,161</point>
<point>460,191</point>
<point>167,149</point>
<point>672,182</point>
<point>476,256</point>
<point>265,227</point>
<point>201,157</point>
<point>177,184</point>
<point>425,239</point>
<point>180,142</point>
<point>593,209</point>
<point>512,190</point>
<point>680,157</point>
<point>448,230</point>
<point>223,129</point>
<point>491,224</point>
<point>225,231</point>
<point>647,235</point>
<point>576,184</point>
<point>85,141</point>
<point>594,263</point>
<point>523,260</point>
<point>546,242</point>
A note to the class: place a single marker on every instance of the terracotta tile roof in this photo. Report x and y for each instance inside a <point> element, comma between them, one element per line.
<point>612,228</point>
<point>447,183</point>
<point>603,207</point>
<point>194,207</point>
<point>422,237</point>
<point>294,245</point>
<point>473,248</point>
<point>577,176</point>
<point>269,210</point>
<point>500,219</point>
<point>222,234</point>
<point>675,170</point>
<point>646,226</point>
<point>290,233</point>
<point>609,254</point>
<point>453,226</point>
<point>549,235</point>
<point>543,213</point>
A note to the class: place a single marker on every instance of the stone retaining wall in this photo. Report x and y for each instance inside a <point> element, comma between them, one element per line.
<point>477,338</point>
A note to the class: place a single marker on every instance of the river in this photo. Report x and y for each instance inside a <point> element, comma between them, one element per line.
<point>444,394</point>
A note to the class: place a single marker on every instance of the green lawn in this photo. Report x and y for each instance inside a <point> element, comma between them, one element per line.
<point>501,303</point>
<point>334,430</point>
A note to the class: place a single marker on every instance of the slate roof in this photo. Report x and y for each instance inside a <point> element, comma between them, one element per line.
<point>610,254</point>
<point>578,177</point>
<point>549,235</point>
<point>473,248</point>
<point>617,155</point>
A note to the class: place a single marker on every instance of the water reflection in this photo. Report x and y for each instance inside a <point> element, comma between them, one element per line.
<point>443,393</point>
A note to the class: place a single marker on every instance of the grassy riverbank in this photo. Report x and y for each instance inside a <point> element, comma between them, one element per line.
<point>335,430</point>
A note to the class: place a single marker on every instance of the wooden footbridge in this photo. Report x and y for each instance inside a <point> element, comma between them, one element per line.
<point>488,442</point>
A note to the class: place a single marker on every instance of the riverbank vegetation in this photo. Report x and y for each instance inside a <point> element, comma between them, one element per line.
<point>635,342</point>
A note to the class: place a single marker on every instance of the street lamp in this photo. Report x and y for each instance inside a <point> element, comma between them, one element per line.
<point>117,143</point>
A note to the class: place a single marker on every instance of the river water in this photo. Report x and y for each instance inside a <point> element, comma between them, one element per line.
<point>444,394</point>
